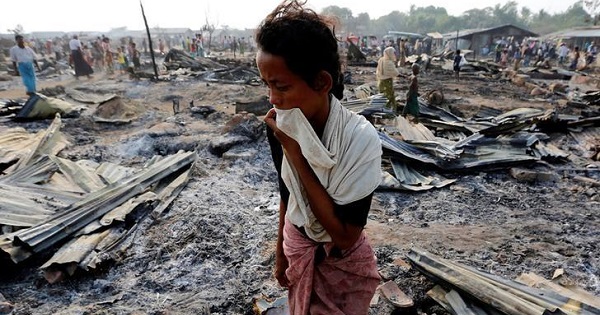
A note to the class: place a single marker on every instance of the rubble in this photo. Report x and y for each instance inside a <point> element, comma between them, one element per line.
<point>208,246</point>
<point>94,209</point>
<point>178,59</point>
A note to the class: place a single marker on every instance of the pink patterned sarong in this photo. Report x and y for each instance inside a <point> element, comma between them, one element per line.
<point>335,286</point>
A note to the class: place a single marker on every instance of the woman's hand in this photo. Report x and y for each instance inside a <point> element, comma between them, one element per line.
<point>281,265</point>
<point>290,146</point>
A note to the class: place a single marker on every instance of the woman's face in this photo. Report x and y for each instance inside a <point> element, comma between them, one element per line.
<point>287,90</point>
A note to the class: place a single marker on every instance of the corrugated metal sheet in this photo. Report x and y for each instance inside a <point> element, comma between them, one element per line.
<point>373,103</point>
<point>54,199</point>
<point>469,32</point>
<point>83,177</point>
<point>18,144</point>
<point>411,179</point>
<point>588,32</point>
<point>437,113</point>
<point>112,173</point>
<point>412,132</point>
<point>50,142</point>
<point>92,207</point>
<point>507,296</point>
<point>404,151</point>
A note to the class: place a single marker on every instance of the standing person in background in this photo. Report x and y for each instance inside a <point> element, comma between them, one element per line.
<point>135,57</point>
<point>456,64</point>
<point>234,46</point>
<point>98,54</point>
<point>329,164</point>
<point>23,59</point>
<point>563,52</point>
<point>385,73</point>
<point>48,47</point>
<point>108,55</point>
<point>517,58</point>
<point>58,50</point>
<point>575,60</point>
<point>402,49</point>
<point>526,53</point>
<point>504,58</point>
<point>161,46</point>
<point>242,46</point>
<point>412,96</point>
<point>498,51</point>
<point>121,60</point>
<point>81,66</point>
<point>145,46</point>
<point>87,55</point>
<point>200,46</point>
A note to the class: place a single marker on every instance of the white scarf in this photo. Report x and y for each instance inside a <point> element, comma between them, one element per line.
<point>347,162</point>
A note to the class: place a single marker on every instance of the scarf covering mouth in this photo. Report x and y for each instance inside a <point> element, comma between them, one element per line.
<point>347,162</point>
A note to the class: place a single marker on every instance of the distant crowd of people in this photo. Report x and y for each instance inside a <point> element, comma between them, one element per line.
<point>85,57</point>
<point>533,52</point>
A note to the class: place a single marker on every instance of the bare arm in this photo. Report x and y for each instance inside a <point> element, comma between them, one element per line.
<point>281,263</point>
<point>322,205</point>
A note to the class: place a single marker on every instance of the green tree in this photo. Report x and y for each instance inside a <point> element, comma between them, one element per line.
<point>477,18</point>
<point>526,15</point>
<point>592,7</point>
<point>506,14</point>
<point>430,18</point>
<point>363,23</point>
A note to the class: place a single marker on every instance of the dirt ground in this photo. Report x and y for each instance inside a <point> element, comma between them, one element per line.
<point>213,251</point>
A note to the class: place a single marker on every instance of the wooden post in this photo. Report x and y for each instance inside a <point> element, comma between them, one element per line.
<point>150,43</point>
<point>456,48</point>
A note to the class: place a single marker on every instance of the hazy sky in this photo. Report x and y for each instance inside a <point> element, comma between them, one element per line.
<point>70,15</point>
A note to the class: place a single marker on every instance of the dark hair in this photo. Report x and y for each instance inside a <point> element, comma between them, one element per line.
<point>18,36</point>
<point>305,40</point>
<point>458,51</point>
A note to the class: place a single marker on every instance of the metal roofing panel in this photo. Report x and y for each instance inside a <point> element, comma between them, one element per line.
<point>113,173</point>
<point>76,250</point>
<point>85,178</point>
<point>468,32</point>
<point>411,131</point>
<point>575,33</point>
<point>405,150</point>
<point>95,205</point>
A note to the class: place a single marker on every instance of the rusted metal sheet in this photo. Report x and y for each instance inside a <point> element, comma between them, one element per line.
<point>507,296</point>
